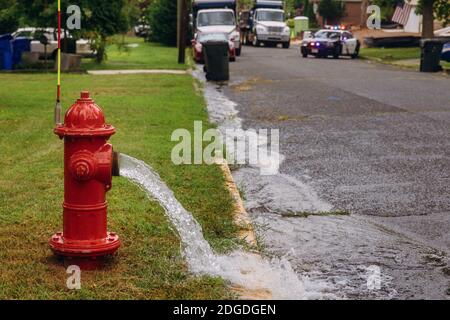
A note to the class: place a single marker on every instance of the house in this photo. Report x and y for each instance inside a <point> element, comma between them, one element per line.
<point>354,13</point>
<point>405,15</point>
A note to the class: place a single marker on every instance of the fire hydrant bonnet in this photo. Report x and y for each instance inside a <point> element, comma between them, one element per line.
<point>84,118</point>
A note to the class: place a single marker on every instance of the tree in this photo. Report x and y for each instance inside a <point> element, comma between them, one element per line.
<point>308,11</point>
<point>162,18</point>
<point>331,10</point>
<point>133,12</point>
<point>245,4</point>
<point>431,9</point>
<point>442,11</point>
<point>387,8</point>
<point>100,19</point>
<point>40,13</point>
<point>142,6</point>
<point>289,8</point>
<point>9,16</point>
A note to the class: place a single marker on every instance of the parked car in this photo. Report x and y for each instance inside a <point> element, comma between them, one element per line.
<point>142,30</point>
<point>331,42</point>
<point>83,46</point>
<point>202,37</point>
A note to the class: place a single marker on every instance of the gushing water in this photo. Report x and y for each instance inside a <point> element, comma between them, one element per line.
<point>240,268</point>
<point>278,193</point>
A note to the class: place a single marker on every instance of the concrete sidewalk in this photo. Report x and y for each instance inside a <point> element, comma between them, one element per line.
<point>142,71</point>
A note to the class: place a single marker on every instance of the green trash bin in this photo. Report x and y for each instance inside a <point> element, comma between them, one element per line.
<point>217,59</point>
<point>431,55</point>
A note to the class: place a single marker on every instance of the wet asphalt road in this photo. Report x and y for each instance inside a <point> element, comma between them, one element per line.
<point>371,140</point>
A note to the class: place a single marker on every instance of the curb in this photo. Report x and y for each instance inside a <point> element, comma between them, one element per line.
<point>370,60</point>
<point>241,217</point>
<point>246,233</point>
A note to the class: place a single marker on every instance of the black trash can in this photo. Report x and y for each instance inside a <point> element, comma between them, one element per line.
<point>431,55</point>
<point>217,60</point>
<point>69,45</point>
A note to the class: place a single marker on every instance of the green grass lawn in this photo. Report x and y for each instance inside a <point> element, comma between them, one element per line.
<point>386,54</point>
<point>145,110</point>
<point>397,56</point>
<point>134,53</point>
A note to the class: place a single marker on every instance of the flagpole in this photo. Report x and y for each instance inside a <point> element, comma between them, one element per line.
<point>58,90</point>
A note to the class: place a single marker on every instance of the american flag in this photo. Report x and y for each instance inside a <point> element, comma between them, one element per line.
<point>401,14</point>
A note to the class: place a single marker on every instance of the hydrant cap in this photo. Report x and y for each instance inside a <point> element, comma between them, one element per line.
<point>84,118</point>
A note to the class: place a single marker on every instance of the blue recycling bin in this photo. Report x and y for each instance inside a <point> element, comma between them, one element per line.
<point>446,52</point>
<point>6,52</point>
<point>20,45</point>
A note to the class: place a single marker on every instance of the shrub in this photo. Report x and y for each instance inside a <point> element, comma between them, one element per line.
<point>162,17</point>
<point>8,16</point>
<point>331,10</point>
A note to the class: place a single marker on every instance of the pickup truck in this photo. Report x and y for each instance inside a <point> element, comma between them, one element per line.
<point>83,47</point>
<point>217,16</point>
<point>265,24</point>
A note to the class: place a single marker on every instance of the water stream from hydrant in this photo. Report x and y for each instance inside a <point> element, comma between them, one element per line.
<point>241,268</point>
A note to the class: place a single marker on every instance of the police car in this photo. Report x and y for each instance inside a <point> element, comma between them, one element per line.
<point>335,41</point>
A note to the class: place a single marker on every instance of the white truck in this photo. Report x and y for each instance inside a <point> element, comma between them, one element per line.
<point>217,16</point>
<point>266,25</point>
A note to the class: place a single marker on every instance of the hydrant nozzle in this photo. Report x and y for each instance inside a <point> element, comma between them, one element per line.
<point>88,170</point>
<point>116,165</point>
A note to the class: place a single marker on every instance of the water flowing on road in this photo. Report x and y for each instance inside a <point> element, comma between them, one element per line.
<point>242,269</point>
<point>294,217</point>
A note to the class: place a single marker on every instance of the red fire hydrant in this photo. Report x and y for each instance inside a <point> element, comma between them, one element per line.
<point>88,167</point>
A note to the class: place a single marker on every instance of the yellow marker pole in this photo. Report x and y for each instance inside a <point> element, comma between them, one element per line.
<point>58,90</point>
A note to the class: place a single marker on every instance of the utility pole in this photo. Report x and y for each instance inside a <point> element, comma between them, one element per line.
<point>182,30</point>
